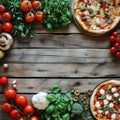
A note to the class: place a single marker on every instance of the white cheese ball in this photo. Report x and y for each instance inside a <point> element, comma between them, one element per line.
<point>113,116</point>
<point>97,104</point>
<point>113,89</point>
<point>102,91</point>
<point>39,101</point>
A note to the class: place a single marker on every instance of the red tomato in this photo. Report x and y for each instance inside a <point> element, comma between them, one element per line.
<point>39,16</point>
<point>6,107</point>
<point>112,38</point>
<point>10,93</point>
<point>36,5</point>
<point>6,16</point>
<point>0,28</point>
<point>34,118</point>
<point>7,27</point>
<point>112,49</point>
<point>2,8</point>
<point>15,114</point>
<point>117,40</point>
<point>116,45</point>
<point>115,34</point>
<point>117,54</point>
<point>21,100</point>
<point>26,6</point>
<point>28,110</point>
<point>30,17</point>
<point>3,80</point>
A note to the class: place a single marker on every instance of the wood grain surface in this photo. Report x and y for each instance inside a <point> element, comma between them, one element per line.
<point>67,57</point>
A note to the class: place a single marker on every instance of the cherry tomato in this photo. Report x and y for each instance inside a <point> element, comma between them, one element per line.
<point>7,27</point>
<point>28,110</point>
<point>115,34</point>
<point>29,17</point>
<point>26,6</point>
<point>36,5</point>
<point>39,16</point>
<point>112,49</point>
<point>0,28</point>
<point>117,54</point>
<point>116,45</point>
<point>117,40</point>
<point>2,8</point>
<point>34,118</point>
<point>21,100</point>
<point>112,38</point>
<point>6,16</point>
<point>10,93</point>
<point>6,107</point>
<point>15,114</point>
<point>3,80</point>
<point>21,118</point>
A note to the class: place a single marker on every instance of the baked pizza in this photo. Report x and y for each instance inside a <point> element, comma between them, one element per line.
<point>105,101</point>
<point>96,16</point>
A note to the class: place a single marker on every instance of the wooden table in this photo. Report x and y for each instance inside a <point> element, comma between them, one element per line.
<point>67,57</point>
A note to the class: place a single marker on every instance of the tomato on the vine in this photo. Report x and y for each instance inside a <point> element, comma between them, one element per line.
<point>115,34</point>
<point>34,118</point>
<point>15,114</point>
<point>36,5</point>
<point>10,93</point>
<point>117,54</point>
<point>7,27</point>
<point>2,8</point>
<point>28,110</point>
<point>26,6</point>
<point>0,28</point>
<point>3,80</point>
<point>6,107</point>
<point>6,16</point>
<point>112,38</point>
<point>112,49</point>
<point>30,17</point>
<point>39,16</point>
<point>21,100</point>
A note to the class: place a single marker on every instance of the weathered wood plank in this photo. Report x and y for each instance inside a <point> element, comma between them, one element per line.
<point>33,86</point>
<point>63,41</point>
<point>63,70</point>
<point>59,55</point>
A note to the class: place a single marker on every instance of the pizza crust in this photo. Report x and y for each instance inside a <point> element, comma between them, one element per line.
<point>92,105</point>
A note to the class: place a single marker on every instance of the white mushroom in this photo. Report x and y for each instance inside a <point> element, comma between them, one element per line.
<point>39,101</point>
<point>6,41</point>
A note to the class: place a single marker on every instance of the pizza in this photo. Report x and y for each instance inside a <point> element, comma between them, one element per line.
<point>96,16</point>
<point>105,101</point>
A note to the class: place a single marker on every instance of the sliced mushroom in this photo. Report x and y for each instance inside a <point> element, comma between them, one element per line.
<point>6,41</point>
